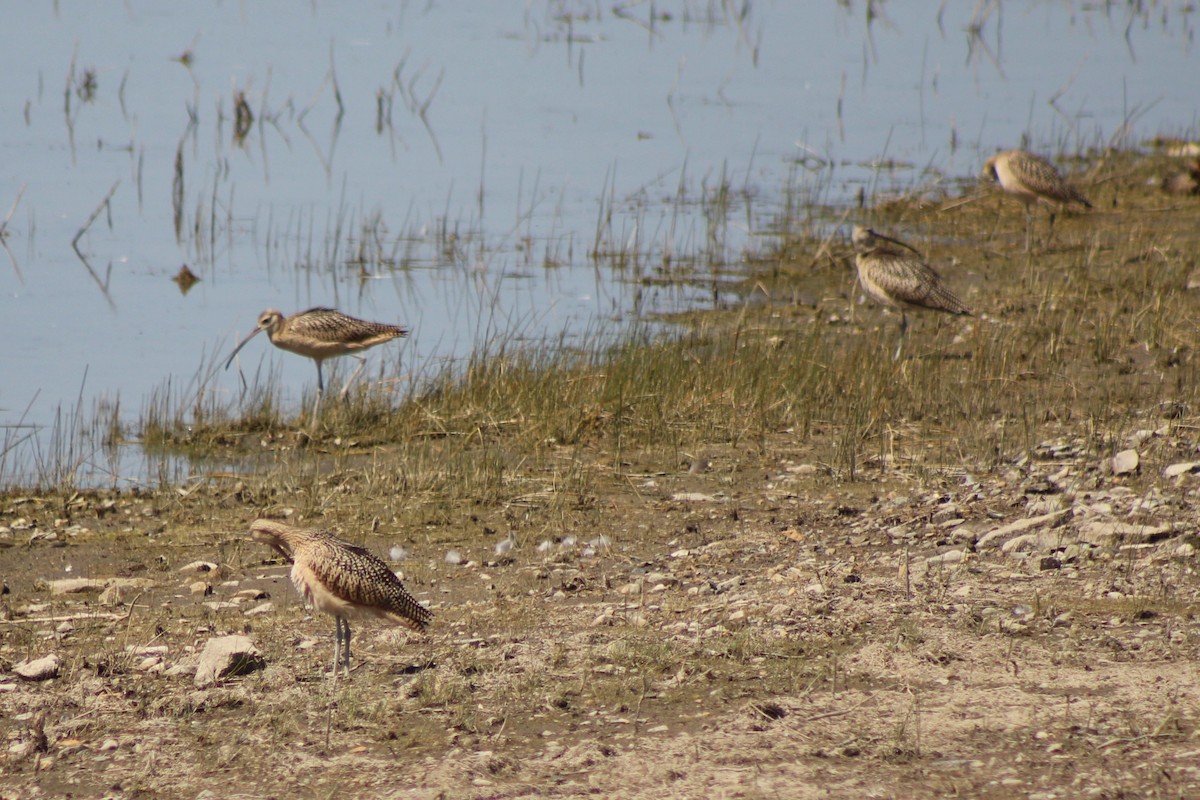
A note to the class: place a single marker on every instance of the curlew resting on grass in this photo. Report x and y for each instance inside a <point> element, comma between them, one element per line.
<point>894,274</point>
<point>342,579</point>
<point>321,333</point>
<point>1031,178</point>
<point>1185,182</point>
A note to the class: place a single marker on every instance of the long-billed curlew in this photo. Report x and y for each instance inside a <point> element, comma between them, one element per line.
<point>1031,178</point>
<point>342,579</point>
<point>321,333</point>
<point>896,276</point>
<point>1186,182</point>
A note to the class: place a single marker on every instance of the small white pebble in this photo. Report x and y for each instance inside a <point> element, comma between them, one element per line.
<point>505,544</point>
<point>397,553</point>
<point>587,552</point>
<point>545,546</point>
<point>453,557</point>
<point>567,541</point>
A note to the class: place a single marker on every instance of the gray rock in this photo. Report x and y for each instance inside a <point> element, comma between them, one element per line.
<point>80,585</point>
<point>220,605</point>
<point>116,590</point>
<point>1184,468</point>
<point>199,567</point>
<point>41,669</point>
<point>150,664</point>
<point>225,657</point>
<point>1139,437</point>
<point>261,608</point>
<point>1114,534</point>
<point>945,513</point>
<point>694,497</point>
<point>1074,552</point>
<point>75,585</point>
<point>1044,505</point>
<point>182,669</point>
<point>1039,541</point>
<point>948,557</point>
<point>993,537</point>
<point>1125,462</point>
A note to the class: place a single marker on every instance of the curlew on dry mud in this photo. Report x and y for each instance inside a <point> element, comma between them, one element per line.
<point>342,579</point>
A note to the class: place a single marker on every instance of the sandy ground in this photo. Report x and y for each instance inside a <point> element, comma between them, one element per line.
<point>751,631</point>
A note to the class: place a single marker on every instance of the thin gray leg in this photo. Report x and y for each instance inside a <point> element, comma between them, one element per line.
<point>320,393</point>
<point>337,646</point>
<point>341,647</point>
<point>903,332</point>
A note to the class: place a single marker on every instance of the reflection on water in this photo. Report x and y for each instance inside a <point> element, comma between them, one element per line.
<point>479,171</point>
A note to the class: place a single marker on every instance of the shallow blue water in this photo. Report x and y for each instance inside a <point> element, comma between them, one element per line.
<point>535,116</point>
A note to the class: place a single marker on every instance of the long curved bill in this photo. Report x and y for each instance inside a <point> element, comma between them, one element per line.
<point>905,245</point>
<point>241,344</point>
<point>273,541</point>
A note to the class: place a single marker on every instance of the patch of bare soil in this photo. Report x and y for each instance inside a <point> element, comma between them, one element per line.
<point>750,631</point>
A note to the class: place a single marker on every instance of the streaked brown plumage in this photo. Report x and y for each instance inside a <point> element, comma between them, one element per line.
<point>894,274</point>
<point>1186,182</point>
<point>1031,178</point>
<point>342,579</point>
<point>321,333</point>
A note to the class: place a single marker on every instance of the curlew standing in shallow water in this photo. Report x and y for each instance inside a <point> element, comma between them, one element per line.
<point>1031,178</point>
<point>893,274</point>
<point>342,579</point>
<point>321,333</point>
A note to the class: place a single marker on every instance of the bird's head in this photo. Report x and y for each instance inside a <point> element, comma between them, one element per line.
<point>268,321</point>
<point>863,238</point>
<point>270,533</point>
<point>989,170</point>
